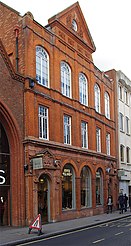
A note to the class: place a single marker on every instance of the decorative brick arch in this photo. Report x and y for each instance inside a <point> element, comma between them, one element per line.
<point>17,211</point>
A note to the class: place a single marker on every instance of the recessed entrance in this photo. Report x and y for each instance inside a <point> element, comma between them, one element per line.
<point>4,178</point>
<point>44,198</point>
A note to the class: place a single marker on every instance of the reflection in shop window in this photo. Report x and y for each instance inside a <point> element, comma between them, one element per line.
<point>85,187</point>
<point>68,187</point>
<point>99,187</point>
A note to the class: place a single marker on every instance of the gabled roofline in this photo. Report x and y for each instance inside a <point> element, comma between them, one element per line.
<point>15,11</point>
<point>9,65</point>
<point>55,17</point>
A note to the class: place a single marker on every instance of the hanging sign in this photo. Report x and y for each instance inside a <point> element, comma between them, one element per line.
<point>36,224</point>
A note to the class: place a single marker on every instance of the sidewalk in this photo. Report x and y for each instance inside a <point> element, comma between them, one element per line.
<point>18,235</point>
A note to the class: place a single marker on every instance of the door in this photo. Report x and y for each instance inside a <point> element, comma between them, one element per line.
<point>44,198</point>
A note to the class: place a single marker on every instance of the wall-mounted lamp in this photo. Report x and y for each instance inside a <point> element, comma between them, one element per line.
<point>25,167</point>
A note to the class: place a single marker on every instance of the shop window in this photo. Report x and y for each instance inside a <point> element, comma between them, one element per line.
<point>86,187</point>
<point>99,187</point>
<point>68,188</point>
<point>4,178</point>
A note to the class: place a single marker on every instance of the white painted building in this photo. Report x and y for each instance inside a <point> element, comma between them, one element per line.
<point>124,132</point>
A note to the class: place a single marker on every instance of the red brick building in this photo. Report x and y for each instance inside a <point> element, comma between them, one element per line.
<point>69,128</point>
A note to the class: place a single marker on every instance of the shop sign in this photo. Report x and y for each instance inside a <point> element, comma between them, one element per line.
<point>37,163</point>
<point>2,178</point>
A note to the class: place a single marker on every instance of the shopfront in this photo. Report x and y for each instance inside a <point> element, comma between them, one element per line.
<point>4,178</point>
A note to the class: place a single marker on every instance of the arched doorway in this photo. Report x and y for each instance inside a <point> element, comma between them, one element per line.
<point>4,178</point>
<point>44,198</point>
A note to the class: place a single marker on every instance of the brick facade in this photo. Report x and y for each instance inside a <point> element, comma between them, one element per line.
<point>75,48</point>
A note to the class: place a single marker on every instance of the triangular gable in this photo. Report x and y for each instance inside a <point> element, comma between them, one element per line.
<point>74,13</point>
<point>9,65</point>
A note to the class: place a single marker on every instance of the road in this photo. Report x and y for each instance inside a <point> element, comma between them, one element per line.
<point>116,233</point>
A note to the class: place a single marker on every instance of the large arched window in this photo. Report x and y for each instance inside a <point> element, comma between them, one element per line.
<point>97,97</point>
<point>85,187</point>
<point>99,187</point>
<point>65,79</point>
<point>68,187</point>
<point>107,105</point>
<point>42,66</point>
<point>83,91</point>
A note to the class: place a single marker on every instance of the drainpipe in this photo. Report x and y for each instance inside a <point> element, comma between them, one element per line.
<point>16,45</point>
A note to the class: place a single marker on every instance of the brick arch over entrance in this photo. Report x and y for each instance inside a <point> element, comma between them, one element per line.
<point>14,135</point>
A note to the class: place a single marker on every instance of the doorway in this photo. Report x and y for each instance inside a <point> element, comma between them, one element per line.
<point>4,178</point>
<point>44,198</point>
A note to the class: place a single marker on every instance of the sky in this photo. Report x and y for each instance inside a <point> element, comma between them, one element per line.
<point>109,22</point>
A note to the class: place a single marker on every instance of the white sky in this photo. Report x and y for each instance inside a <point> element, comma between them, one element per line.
<point>109,22</point>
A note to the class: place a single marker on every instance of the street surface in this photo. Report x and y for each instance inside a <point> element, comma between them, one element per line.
<point>116,233</point>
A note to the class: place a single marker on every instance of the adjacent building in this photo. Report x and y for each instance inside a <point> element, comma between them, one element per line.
<point>124,130</point>
<point>67,165</point>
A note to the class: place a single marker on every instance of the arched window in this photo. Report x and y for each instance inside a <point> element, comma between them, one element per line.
<point>97,98</point>
<point>42,66</point>
<point>74,25</point>
<point>86,187</point>
<point>68,187</point>
<point>83,89</point>
<point>99,187</point>
<point>65,79</point>
<point>107,105</point>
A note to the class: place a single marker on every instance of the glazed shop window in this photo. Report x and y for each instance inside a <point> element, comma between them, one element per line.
<point>85,187</point>
<point>43,122</point>
<point>68,188</point>
<point>97,98</point>
<point>83,88</point>
<point>65,79</point>
<point>42,66</point>
<point>99,187</point>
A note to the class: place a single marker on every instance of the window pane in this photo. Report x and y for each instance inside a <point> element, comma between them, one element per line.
<point>68,187</point>
<point>43,122</point>
<point>65,79</point>
<point>42,66</point>
<point>67,129</point>
<point>83,88</point>
<point>85,187</point>
<point>97,98</point>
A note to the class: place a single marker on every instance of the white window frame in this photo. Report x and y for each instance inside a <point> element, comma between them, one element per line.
<point>84,134</point>
<point>43,123</point>
<point>42,66</point>
<point>65,79</point>
<point>120,92</point>
<point>67,129</point>
<point>97,97</point>
<point>107,105</point>
<point>126,96</point>
<point>127,155</point>
<point>127,125</point>
<point>121,121</point>
<point>83,90</point>
<point>98,139</point>
<point>108,143</point>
